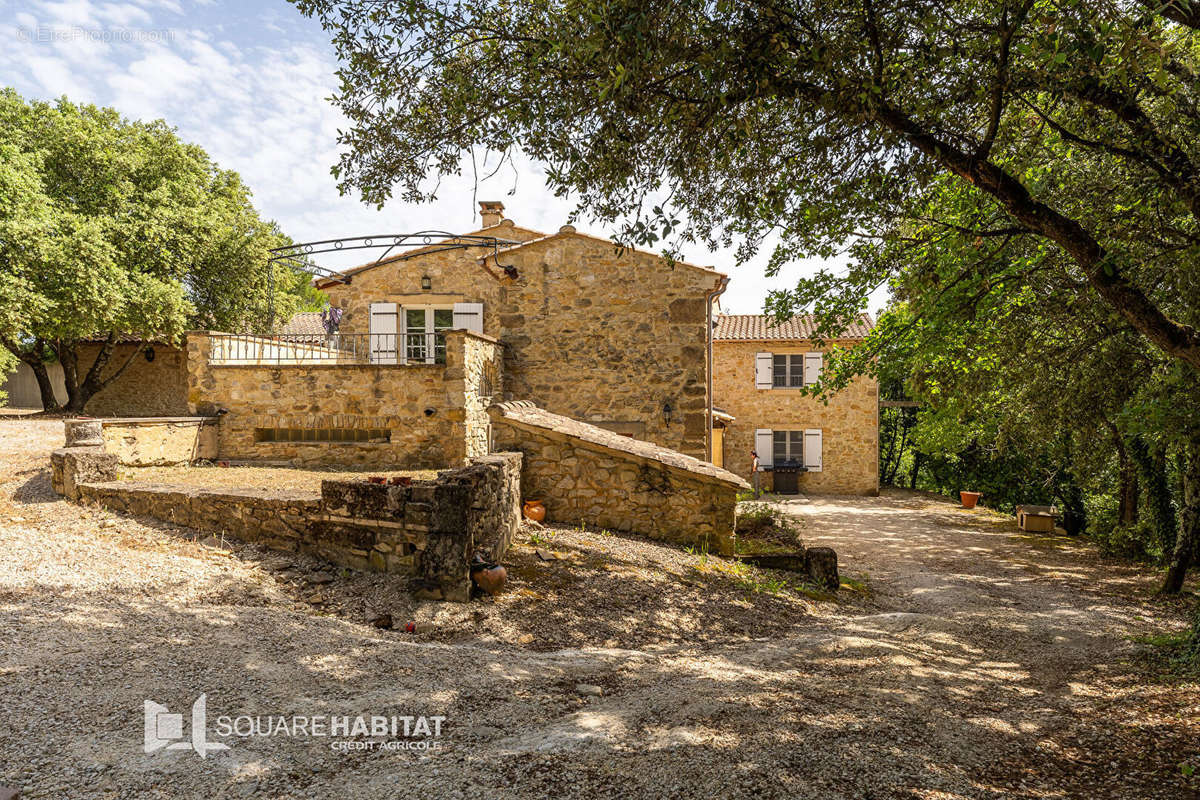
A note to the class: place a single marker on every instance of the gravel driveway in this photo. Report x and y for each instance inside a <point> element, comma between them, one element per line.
<point>982,665</point>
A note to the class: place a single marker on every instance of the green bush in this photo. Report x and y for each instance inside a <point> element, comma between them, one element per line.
<point>8,363</point>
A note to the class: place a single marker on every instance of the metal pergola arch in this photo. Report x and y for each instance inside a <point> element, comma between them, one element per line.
<point>298,256</point>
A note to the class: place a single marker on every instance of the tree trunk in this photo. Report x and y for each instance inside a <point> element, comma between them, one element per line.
<point>70,364</point>
<point>1152,471</point>
<point>80,392</point>
<point>1127,491</point>
<point>35,358</point>
<point>1184,553</point>
<point>887,459</point>
<point>918,457</point>
<point>45,386</point>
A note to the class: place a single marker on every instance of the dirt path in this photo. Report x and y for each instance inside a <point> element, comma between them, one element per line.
<point>984,665</point>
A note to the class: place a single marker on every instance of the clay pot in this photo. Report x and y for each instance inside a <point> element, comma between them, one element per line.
<point>969,499</point>
<point>377,479</point>
<point>489,577</point>
<point>534,510</point>
<point>400,480</point>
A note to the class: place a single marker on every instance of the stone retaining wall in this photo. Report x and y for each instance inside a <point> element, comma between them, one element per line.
<point>412,416</point>
<point>151,441</point>
<point>430,530</point>
<point>588,475</point>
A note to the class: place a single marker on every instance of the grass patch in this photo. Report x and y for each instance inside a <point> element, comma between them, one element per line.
<point>856,585</point>
<point>763,528</point>
<point>1177,655</point>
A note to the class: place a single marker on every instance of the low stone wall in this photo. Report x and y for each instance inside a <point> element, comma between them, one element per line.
<point>430,530</point>
<point>151,441</point>
<point>72,466</point>
<point>589,475</point>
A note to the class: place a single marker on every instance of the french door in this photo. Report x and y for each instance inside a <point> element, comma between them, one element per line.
<point>423,326</point>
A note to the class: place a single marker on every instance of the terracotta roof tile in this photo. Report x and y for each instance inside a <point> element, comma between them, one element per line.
<point>305,323</point>
<point>758,327</point>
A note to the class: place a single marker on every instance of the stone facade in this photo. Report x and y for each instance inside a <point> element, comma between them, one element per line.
<point>410,416</point>
<point>152,441</point>
<point>588,475</point>
<point>430,530</point>
<point>147,388</point>
<point>603,335</point>
<point>849,422</point>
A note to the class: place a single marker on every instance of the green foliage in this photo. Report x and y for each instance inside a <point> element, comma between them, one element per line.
<point>819,126</point>
<point>8,363</point>
<point>111,226</point>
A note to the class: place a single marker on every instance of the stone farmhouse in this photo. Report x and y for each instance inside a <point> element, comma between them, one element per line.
<point>427,340</point>
<point>558,367</point>
<point>766,427</point>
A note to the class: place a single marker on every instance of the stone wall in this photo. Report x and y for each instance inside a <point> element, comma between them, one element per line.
<point>154,441</point>
<point>599,334</point>
<point>406,416</point>
<point>482,373</point>
<point>588,475</point>
<point>430,530</point>
<point>147,388</point>
<point>849,422</point>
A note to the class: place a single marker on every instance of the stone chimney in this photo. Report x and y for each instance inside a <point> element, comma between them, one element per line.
<point>491,212</point>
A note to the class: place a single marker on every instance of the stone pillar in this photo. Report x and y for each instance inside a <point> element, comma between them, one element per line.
<point>84,432</point>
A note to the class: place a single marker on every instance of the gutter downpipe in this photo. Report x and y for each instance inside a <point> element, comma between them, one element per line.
<point>708,358</point>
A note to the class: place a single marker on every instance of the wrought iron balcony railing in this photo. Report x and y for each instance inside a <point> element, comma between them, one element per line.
<point>233,349</point>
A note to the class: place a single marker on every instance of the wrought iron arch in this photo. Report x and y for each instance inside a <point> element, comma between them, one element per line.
<point>299,256</point>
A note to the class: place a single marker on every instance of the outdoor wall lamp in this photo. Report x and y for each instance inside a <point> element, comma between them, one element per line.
<point>667,413</point>
<point>426,282</point>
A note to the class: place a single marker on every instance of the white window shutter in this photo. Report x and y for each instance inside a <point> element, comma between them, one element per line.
<point>813,362</point>
<point>812,449</point>
<point>763,371</point>
<point>764,446</point>
<point>469,316</point>
<point>383,339</point>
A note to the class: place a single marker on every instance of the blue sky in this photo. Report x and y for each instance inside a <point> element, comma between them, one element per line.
<point>247,81</point>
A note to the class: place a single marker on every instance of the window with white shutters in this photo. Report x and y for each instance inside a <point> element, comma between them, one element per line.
<point>813,363</point>
<point>469,316</point>
<point>764,444</point>
<point>762,371</point>
<point>788,446</point>
<point>812,450</point>
<point>787,370</point>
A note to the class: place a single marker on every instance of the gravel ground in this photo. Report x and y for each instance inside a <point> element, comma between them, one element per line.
<point>977,664</point>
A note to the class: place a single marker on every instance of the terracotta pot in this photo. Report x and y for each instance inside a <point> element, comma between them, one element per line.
<point>377,479</point>
<point>534,510</point>
<point>400,480</point>
<point>490,578</point>
<point>969,499</point>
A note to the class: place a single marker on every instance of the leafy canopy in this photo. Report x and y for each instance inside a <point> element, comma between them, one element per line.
<point>109,225</point>
<point>815,122</point>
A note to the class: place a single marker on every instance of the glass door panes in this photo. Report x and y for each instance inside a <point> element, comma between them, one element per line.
<point>423,326</point>
<point>443,320</point>
<point>788,446</point>
<point>415,330</point>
